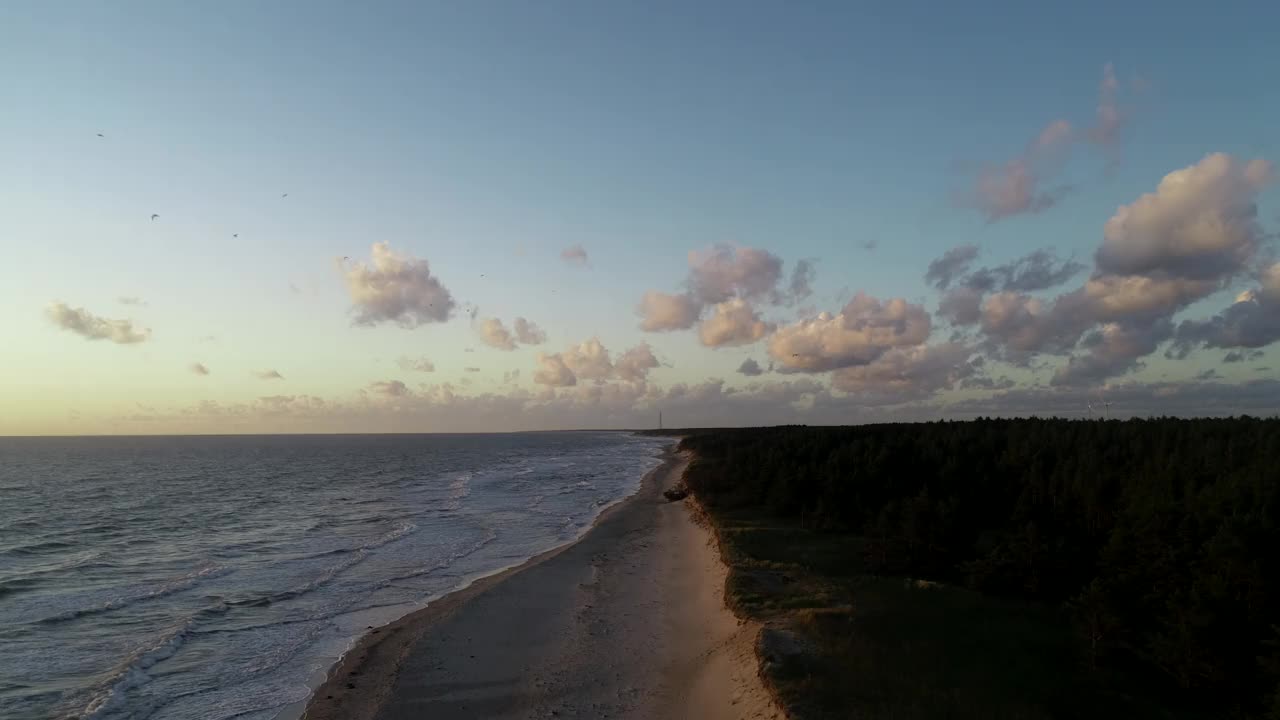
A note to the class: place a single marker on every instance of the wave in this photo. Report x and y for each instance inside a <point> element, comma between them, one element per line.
<point>179,584</point>
<point>108,696</point>
<point>357,555</point>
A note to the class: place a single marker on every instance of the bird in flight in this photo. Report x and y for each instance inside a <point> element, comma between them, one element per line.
<point>285,195</point>
<point>235,234</point>
<point>101,135</point>
<point>153,217</point>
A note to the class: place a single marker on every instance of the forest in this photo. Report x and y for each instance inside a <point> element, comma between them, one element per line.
<point>1158,539</point>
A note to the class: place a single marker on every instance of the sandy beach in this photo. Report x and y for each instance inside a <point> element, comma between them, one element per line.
<point>627,622</point>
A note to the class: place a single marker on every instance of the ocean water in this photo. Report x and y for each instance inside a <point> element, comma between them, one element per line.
<point>179,578</point>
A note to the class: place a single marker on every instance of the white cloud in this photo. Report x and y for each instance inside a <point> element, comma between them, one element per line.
<point>732,322</point>
<point>494,334</point>
<point>864,330</point>
<point>1180,244</point>
<point>397,288</point>
<point>661,311</point>
<point>553,372</point>
<point>634,364</point>
<point>908,372</point>
<point>589,360</point>
<point>723,271</point>
<point>86,324</point>
<point>1200,223</point>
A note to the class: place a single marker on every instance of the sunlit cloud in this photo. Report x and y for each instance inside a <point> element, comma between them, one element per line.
<point>395,287</point>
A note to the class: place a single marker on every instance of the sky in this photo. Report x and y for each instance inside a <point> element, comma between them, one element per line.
<point>462,217</point>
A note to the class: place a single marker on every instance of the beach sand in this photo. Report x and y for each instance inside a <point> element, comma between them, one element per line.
<point>627,622</point>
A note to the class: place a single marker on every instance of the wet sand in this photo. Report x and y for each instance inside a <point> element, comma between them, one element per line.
<point>627,622</point>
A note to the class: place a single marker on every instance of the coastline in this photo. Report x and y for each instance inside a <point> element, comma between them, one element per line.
<point>587,629</point>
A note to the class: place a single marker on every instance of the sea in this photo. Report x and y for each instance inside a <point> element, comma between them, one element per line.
<point>203,578</point>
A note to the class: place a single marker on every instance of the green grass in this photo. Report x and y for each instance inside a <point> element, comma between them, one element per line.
<point>880,647</point>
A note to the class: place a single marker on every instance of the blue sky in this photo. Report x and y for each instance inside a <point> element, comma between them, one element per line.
<point>486,137</point>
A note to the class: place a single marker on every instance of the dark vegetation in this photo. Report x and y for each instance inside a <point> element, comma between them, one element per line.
<point>1076,568</point>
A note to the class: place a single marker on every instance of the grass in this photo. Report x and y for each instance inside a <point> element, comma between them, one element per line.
<point>892,648</point>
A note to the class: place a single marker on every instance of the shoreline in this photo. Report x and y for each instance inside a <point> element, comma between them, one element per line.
<point>380,648</point>
<point>586,629</point>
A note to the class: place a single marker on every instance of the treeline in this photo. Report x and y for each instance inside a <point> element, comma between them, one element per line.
<point>1159,538</point>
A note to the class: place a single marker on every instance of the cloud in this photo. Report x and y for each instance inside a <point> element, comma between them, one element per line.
<point>1200,223</point>
<point>1131,399</point>
<point>527,333</point>
<point>494,334</point>
<point>1113,349</point>
<point>390,388</point>
<point>86,324</point>
<point>907,373</point>
<point>750,368</point>
<point>802,277</point>
<point>950,266</point>
<point>1159,254</point>
<point>131,300</point>
<point>589,360</point>
<point>1252,321</point>
<point>961,305</point>
<point>418,364</point>
<point>397,288</point>
<point>1015,186</point>
<point>553,372</point>
<point>634,364</point>
<point>864,330</point>
<point>661,312</point>
<point>268,375</point>
<point>199,369</point>
<point>574,255</point>
<point>733,322</point>
<point>1039,270</point>
<point>711,403</point>
<point>1110,118</point>
<point>721,272</point>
